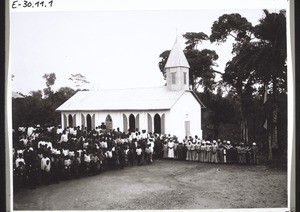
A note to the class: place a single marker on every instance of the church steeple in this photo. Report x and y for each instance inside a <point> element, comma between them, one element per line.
<point>177,69</point>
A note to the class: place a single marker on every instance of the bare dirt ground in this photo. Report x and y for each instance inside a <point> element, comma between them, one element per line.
<point>166,184</point>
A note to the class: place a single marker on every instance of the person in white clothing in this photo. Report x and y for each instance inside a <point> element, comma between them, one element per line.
<point>45,169</point>
<point>59,130</point>
<point>171,149</point>
<point>139,154</point>
<point>30,131</point>
<point>64,137</point>
<point>20,160</point>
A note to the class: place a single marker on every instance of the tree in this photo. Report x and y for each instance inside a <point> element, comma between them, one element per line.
<point>38,109</point>
<point>193,39</point>
<point>50,80</point>
<point>79,80</point>
<point>233,25</point>
<point>259,61</point>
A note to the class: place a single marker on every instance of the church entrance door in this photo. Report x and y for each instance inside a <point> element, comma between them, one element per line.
<point>108,122</point>
<point>157,124</point>
<point>89,122</point>
<point>70,120</point>
<point>132,123</point>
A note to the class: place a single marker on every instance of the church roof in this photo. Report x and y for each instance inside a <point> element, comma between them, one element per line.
<point>177,57</point>
<point>16,95</point>
<point>158,98</point>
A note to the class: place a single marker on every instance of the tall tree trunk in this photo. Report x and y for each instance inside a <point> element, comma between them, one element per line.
<point>270,145</point>
<point>274,114</point>
<point>243,121</point>
<point>244,130</point>
<point>246,133</point>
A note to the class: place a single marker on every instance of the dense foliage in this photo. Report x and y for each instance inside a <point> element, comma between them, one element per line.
<point>40,107</point>
<point>235,106</point>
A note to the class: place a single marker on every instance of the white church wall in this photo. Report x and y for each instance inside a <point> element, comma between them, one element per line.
<point>169,123</point>
<point>117,118</point>
<point>186,108</point>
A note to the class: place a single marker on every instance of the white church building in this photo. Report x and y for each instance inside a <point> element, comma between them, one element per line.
<point>172,109</point>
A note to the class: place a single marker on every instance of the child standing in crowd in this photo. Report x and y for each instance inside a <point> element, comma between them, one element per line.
<point>139,155</point>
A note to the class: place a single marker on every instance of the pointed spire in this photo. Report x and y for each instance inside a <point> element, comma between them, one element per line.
<point>177,57</point>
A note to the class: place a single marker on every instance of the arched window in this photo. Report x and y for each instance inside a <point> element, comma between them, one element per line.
<point>70,119</point>
<point>149,123</point>
<point>93,121</point>
<point>65,121</point>
<point>82,121</point>
<point>132,123</point>
<point>163,124</point>
<point>74,121</point>
<point>89,122</point>
<point>137,122</point>
<point>157,124</point>
<point>108,122</point>
<point>125,123</point>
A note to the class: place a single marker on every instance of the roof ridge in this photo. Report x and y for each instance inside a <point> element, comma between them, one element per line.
<point>112,89</point>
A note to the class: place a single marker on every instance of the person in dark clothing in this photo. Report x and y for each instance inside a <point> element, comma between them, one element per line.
<point>55,168</point>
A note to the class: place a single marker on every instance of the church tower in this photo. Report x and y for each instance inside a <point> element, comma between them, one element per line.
<point>177,69</point>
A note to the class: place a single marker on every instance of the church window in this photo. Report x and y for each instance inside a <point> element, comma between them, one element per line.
<point>184,78</point>
<point>173,75</point>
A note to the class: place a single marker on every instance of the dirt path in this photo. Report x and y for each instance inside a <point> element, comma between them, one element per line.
<point>165,184</point>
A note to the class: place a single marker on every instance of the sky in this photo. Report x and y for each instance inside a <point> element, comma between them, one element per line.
<point>111,48</point>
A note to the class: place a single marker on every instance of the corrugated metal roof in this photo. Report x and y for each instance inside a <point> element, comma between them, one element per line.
<point>157,98</point>
<point>177,57</point>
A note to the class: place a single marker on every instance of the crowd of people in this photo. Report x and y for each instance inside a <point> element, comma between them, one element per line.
<point>42,156</point>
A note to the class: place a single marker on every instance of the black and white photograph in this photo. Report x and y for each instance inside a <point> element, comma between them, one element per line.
<point>166,106</point>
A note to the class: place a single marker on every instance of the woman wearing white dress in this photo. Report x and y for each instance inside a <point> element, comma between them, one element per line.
<point>171,149</point>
